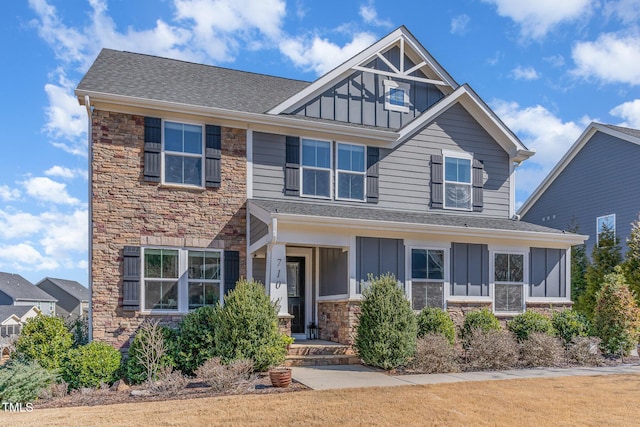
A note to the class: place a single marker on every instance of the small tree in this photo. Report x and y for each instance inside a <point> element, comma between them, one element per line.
<point>247,327</point>
<point>616,317</point>
<point>44,339</point>
<point>147,353</point>
<point>606,256</point>
<point>579,263</point>
<point>631,265</point>
<point>386,333</point>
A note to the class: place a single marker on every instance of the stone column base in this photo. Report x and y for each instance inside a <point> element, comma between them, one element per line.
<point>284,324</point>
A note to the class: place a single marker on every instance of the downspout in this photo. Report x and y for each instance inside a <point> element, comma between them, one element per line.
<point>87,104</point>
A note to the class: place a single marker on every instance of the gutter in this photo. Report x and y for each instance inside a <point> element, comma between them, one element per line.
<point>87,104</point>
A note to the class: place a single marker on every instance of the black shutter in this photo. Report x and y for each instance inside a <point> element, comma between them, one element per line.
<point>231,270</point>
<point>131,278</point>
<point>478,184</point>
<point>373,156</point>
<point>437,182</point>
<point>292,167</point>
<point>213,151</point>
<point>152,148</point>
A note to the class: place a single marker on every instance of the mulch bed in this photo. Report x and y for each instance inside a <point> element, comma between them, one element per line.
<point>260,384</point>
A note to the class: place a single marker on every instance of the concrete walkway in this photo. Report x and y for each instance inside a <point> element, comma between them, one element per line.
<point>357,376</point>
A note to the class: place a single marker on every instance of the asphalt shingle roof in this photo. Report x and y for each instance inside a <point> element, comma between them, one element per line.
<point>71,287</point>
<point>373,214</point>
<point>155,78</point>
<point>7,310</point>
<point>628,131</point>
<point>19,288</point>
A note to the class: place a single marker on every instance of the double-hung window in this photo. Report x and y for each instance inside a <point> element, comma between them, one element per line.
<point>605,224</point>
<point>427,278</point>
<point>509,274</point>
<point>316,168</point>
<point>457,181</point>
<point>183,153</point>
<point>181,279</point>
<point>350,171</point>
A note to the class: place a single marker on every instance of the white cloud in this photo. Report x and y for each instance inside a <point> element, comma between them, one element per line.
<point>629,112</point>
<point>539,129</point>
<point>66,118</point>
<point>47,190</point>
<point>555,60</point>
<point>459,24</point>
<point>65,233</point>
<point>322,55</point>
<point>24,257</point>
<point>64,172</point>
<point>612,58</point>
<point>8,194</point>
<point>525,73</point>
<point>15,225</point>
<point>369,15</point>
<point>627,11</point>
<point>536,18</point>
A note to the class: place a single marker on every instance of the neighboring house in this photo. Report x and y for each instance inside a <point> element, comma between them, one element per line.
<point>73,298</point>
<point>13,317</point>
<point>201,174</point>
<point>595,183</point>
<point>15,290</point>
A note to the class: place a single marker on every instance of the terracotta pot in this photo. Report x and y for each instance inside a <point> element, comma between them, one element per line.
<point>280,377</point>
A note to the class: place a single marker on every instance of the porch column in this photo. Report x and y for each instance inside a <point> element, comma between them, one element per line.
<point>277,277</point>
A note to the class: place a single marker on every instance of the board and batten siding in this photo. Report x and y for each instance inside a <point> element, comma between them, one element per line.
<point>601,179</point>
<point>404,173</point>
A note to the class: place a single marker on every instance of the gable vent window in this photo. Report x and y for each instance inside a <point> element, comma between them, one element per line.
<point>396,96</point>
<point>316,168</point>
<point>457,181</point>
<point>350,171</point>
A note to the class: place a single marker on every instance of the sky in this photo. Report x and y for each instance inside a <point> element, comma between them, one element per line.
<point>547,68</point>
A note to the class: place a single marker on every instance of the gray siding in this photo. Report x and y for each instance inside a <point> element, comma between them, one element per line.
<point>359,98</point>
<point>404,173</point>
<point>548,273</point>
<point>66,305</point>
<point>260,269</point>
<point>334,276</point>
<point>601,179</point>
<point>379,256</point>
<point>44,306</point>
<point>257,229</point>
<point>469,269</point>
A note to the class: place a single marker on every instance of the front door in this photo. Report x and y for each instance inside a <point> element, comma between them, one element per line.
<point>295,293</point>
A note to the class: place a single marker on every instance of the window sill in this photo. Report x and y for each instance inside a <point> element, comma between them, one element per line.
<point>191,188</point>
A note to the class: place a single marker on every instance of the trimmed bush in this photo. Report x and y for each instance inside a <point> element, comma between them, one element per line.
<point>91,365</point>
<point>434,355</point>
<point>170,381</point>
<point>616,318</point>
<point>585,351</point>
<point>482,319</point>
<point>44,339</point>
<point>21,381</point>
<point>491,350</point>
<point>247,327</point>
<point>540,349</point>
<point>196,339</point>
<point>569,324</point>
<point>149,352</point>
<point>224,377</point>
<point>437,321</point>
<point>524,324</point>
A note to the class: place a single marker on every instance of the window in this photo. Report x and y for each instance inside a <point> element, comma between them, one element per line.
<point>183,152</point>
<point>204,278</point>
<point>169,273</point>
<point>457,181</point>
<point>427,278</point>
<point>605,224</point>
<point>350,172</point>
<point>396,96</point>
<point>508,281</point>
<point>316,168</point>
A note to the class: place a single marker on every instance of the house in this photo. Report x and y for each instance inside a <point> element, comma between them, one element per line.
<point>201,174</point>
<point>13,317</point>
<point>15,290</point>
<point>592,185</point>
<point>73,298</point>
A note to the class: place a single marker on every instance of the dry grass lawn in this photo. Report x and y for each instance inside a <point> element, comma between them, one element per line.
<point>612,400</point>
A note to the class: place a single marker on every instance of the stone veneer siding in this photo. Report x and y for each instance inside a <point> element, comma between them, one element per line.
<point>337,321</point>
<point>128,211</point>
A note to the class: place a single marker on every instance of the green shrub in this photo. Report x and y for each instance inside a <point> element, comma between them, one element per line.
<point>437,321</point>
<point>569,324</point>
<point>482,319</point>
<point>79,329</point>
<point>524,324</point>
<point>247,327</point>
<point>616,316</point>
<point>152,348</point>
<point>91,365</point>
<point>21,381</point>
<point>386,333</point>
<point>196,339</point>
<point>44,339</point>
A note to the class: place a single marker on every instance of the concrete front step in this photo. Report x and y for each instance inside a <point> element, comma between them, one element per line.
<point>322,360</point>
